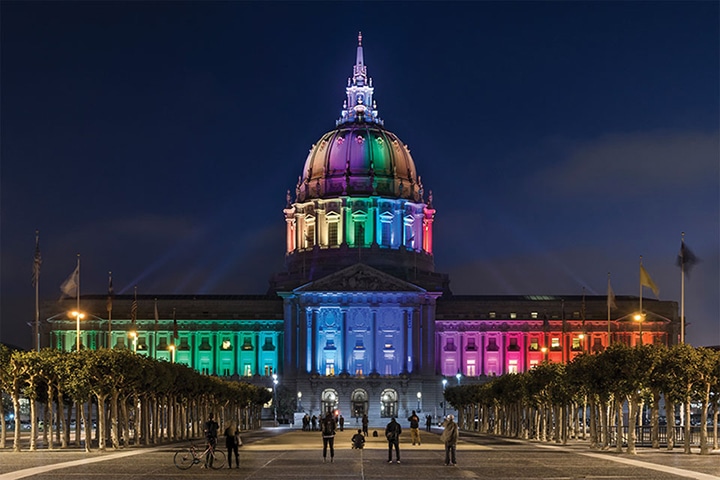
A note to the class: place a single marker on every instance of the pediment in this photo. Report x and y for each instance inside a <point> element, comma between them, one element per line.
<point>359,278</point>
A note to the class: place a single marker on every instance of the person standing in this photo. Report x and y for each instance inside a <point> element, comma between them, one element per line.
<point>313,421</point>
<point>365,424</point>
<point>450,437</point>
<point>392,433</point>
<point>327,428</point>
<point>232,442</point>
<point>414,428</point>
<point>341,422</point>
<point>211,433</point>
<point>428,423</point>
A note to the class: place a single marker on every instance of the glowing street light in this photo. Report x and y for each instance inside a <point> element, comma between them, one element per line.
<point>458,375</point>
<point>275,382</point>
<point>444,384</point>
<point>133,334</point>
<point>640,318</point>
<point>419,397</point>
<point>78,316</point>
<point>544,350</point>
<point>172,353</point>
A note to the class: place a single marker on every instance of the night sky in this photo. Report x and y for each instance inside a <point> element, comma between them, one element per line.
<point>561,141</point>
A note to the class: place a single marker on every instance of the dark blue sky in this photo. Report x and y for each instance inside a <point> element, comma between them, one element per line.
<point>561,140</point>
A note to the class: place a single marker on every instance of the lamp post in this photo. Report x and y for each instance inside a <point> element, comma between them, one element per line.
<point>640,318</point>
<point>78,316</point>
<point>172,353</point>
<point>419,397</point>
<point>133,334</point>
<point>444,384</point>
<point>544,350</point>
<point>581,337</point>
<point>299,409</point>
<point>458,375</point>
<point>275,382</point>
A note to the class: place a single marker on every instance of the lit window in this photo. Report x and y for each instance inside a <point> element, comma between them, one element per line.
<point>470,370</point>
<point>534,345</point>
<point>247,370</point>
<point>513,315</point>
<point>512,366</point>
<point>226,344</point>
<point>555,343</point>
<point>491,315</point>
<point>533,314</point>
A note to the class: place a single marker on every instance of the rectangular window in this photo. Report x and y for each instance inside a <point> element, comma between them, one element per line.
<point>310,236</point>
<point>534,345</point>
<point>359,233</point>
<point>577,344</point>
<point>533,314</point>
<point>492,345</point>
<point>513,346</point>
<point>512,366</point>
<point>513,315</point>
<point>329,367</point>
<point>470,368</point>
<point>332,234</point>
<point>491,315</point>
<point>247,370</point>
<point>268,370</point>
<point>555,344</point>
<point>386,234</point>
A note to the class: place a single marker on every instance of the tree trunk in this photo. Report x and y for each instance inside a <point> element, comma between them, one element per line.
<point>655,420</point>
<point>114,424</point>
<point>16,413</point>
<point>87,423</point>
<point>686,430</point>
<point>101,421</point>
<point>633,406</point>
<point>3,427</point>
<point>619,425</point>
<point>33,425</point>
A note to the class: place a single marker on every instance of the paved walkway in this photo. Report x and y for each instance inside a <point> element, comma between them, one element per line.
<point>279,453</point>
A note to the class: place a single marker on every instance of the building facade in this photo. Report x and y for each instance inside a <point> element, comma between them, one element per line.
<point>359,321</point>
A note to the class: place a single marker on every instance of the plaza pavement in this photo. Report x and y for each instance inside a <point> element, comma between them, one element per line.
<point>284,454</point>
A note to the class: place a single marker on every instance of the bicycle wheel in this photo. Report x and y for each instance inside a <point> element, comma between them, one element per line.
<point>218,460</point>
<point>184,459</point>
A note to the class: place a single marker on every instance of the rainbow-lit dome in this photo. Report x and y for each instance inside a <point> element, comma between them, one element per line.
<point>359,159</point>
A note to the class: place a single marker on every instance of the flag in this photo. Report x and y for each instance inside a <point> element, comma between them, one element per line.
<point>686,258</point>
<point>175,326</point>
<point>37,261</point>
<point>646,281</point>
<point>611,297</point>
<point>111,293</point>
<point>133,310</point>
<point>69,287</point>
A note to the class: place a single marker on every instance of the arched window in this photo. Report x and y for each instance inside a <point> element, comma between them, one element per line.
<point>388,403</point>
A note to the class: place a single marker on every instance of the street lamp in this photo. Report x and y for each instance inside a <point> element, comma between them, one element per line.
<point>299,409</point>
<point>172,353</point>
<point>78,316</point>
<point>133,334</point>
<point>275,382</point>
<point>419,397</point>
<point>544,350</point>
<point>444,384</point>
<point>458,375</point>
<point>581,337</point>
<point>640,318</point>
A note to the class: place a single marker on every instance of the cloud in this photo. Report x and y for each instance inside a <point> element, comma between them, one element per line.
<point>636,163</point>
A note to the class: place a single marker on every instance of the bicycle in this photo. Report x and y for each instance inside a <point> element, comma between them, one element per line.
<point>188,457</point>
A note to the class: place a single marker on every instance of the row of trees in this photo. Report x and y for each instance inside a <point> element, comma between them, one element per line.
<point>134,399</point>
<point>555,401</point>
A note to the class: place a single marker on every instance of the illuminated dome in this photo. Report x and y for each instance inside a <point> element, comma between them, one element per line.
<point>359,199</point>
<point>360,159</point>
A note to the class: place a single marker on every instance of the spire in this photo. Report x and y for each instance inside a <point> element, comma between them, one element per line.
<point>359,105</point>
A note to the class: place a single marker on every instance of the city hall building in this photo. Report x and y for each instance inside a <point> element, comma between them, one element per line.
<point>360,320</point>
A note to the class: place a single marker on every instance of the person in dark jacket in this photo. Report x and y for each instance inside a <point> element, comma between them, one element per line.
<point>232,442</point>
<point>392,433</point>
<point>414,428</point>
<point>358,440</point>
<point>327,428</point>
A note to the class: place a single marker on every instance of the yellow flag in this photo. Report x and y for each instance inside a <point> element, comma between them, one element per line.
<point>646,281</point>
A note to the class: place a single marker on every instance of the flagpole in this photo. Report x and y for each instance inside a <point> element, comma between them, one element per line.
<point>608,309</point>
<point>36,272</point>
<point>109,309</point>
<point>682,289</point>
<point>77,294</point>
<point>641,285</point>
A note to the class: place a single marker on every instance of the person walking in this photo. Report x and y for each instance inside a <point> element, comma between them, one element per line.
<point>365,424</point>
<point>414,428</point>
<point>450,437</point>
<point>232,442</point>
<point>211,433</point>
<point>327,428</point>
<point>392,433</point>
